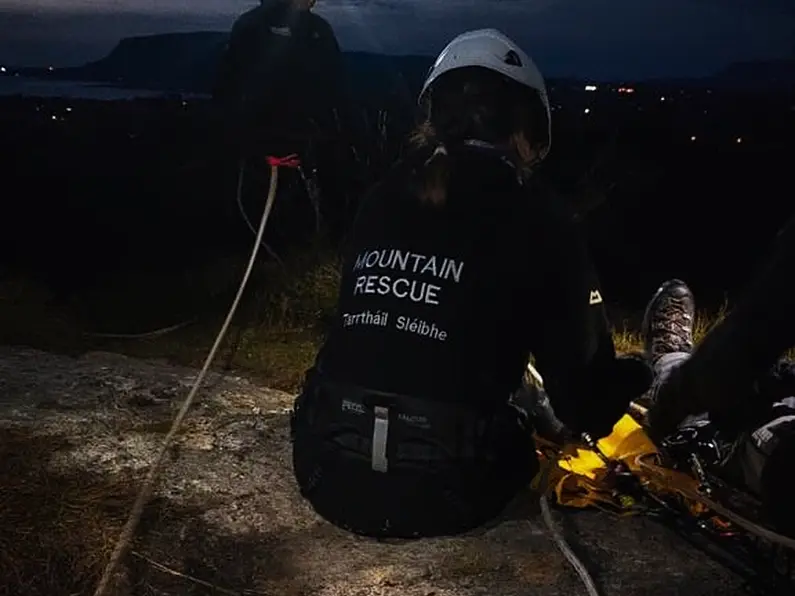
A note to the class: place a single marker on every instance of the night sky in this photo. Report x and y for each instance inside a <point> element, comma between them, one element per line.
<point>588,38</point>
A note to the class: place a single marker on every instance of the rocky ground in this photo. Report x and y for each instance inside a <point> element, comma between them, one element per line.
<point>77,433</point>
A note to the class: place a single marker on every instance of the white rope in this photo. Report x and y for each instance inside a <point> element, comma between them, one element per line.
<point>239,198</point>
<point>556,534</point>
<point>145,335</point>
<point>145,492</point>
<point>565,549</point>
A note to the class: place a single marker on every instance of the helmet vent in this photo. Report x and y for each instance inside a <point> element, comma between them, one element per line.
<point>512,58</point>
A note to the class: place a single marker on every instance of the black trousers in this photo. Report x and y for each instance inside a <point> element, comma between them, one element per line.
<point>421,496</point>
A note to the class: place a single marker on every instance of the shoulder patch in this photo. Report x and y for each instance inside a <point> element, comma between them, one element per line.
<point>595,297</point>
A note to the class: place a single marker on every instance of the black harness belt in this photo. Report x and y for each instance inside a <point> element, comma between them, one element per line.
<point>391,430</point>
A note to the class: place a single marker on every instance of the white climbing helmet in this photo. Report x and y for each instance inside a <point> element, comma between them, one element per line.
<point>491,49</point>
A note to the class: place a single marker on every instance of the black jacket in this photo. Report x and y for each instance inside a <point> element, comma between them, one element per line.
<point>280,65</point>
<point>447,304</point>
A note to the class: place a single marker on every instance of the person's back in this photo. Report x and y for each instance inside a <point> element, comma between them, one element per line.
<point>441,284</point>
<point>456,270</point>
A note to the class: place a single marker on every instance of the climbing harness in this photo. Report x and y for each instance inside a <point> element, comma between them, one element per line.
<point>625,474</point>
<point>128,531</point>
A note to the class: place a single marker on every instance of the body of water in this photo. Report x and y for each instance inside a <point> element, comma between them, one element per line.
<point>16,85</point>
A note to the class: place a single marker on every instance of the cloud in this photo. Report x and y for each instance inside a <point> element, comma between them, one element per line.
<point>603,38</point>
<point>125,7</point>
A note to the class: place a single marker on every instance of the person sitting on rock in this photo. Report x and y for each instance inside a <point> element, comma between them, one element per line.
<point>734,388</point>
<point>457,267</point>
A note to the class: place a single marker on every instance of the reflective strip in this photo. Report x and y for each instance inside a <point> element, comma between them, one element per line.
<point>380,432</point>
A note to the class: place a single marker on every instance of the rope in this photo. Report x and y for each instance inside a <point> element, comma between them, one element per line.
<point>565,549</point>
<point>239,198</point>
<point>145,335</point>
<point>177,326</point>
<point>145,492</point>
<point>557,535</point>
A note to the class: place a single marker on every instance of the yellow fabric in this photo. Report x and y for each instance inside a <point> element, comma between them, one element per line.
<point>577,474</point>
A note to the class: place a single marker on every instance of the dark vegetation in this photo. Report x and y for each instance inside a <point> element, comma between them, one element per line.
<point>119,217</point>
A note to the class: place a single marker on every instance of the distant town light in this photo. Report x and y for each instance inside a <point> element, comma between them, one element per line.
<point>590,87</point>
<point>50,68</point>
<point>54,117</point>
<point>662,98</point>
<point>2,69</point>
<point>587,110</point>
<point>626,90</point>
<point>693,138</point>
<point>69,109</point>
<point>739,140</point>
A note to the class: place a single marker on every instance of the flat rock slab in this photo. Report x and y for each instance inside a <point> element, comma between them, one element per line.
<point>228,512</point>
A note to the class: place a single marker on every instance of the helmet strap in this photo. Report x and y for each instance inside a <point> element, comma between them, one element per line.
<point>504,153</point>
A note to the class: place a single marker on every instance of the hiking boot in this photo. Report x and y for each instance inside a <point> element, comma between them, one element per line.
<point>668,320</point>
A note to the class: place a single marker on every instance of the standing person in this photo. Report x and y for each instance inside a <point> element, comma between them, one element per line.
<point>458,267</point>
<point>282,68</point>
<point>281,88</point>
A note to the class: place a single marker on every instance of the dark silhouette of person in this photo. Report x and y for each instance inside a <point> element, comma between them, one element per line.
<point>282,89</point>
<point>457,267</point>
<point>281,69</point>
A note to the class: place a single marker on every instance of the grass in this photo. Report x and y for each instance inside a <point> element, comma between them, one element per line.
<point>630,340</point>
<point>277,330</point>
<point>274,337</point>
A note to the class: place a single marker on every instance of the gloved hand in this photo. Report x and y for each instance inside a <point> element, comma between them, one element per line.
<point>546,424</point>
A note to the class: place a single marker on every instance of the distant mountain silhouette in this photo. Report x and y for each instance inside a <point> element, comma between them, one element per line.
<point>171,61</point>
<point>772,74</point>
<point>187,62</point>
<point>759,75</point>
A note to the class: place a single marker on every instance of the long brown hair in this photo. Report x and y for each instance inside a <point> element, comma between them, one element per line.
<point>475,103</point>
